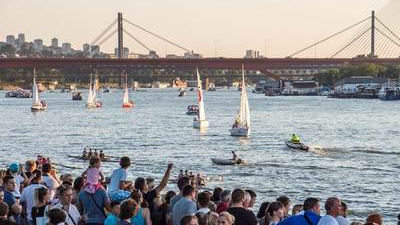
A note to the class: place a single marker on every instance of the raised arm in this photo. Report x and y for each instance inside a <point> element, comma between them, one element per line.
<point>165,179</point>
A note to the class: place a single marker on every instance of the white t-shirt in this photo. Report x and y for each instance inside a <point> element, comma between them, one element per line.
<point>51,184</point>
<point>328,220</point>
<point>72,213</point>
<point>342,221</point>
<point>19,180</point>
<point>28,196</point>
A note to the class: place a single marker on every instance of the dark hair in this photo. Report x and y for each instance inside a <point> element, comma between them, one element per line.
<point>136,195</point>
<point>7,178</point>
<point>56,216</point>
<point>272,207</point>
<point>203,199</point>
<point>187,190</point>
<point>237,195</point>
<point>182,182</point>
<point>140,182</point>
<point>344,209</point>
<point>310,203</point>
<point>330,202</point>
<point>284,200</point>
<point>128,208</point>
<point>187,219</point>
<point>67,183</point>
<point>169,196</point>
<point>38,176</point>
<point>125,162</point>
<point>3,209</point>
<point>261,211</point>
<point>78,183</point>
<point>252,193</point>
<point>114,203</point>
<point>203,218</point>
<point>216,195</point>
<point>63,188</point>
<point>46,168</point>
<point>94,160</point>
<point>40,192</point>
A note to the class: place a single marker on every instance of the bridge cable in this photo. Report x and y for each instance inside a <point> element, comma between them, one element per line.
<point>361,47</point>
<point>108,36</point>
<point>158,36</point>
<point>137,40</point>
<point>358,37</point>
<point>104,32</point>
<point>390,31</point>
<point>387,42</point>
<point>389,38</point>
<point>387,21</point>
<point>353,47</point>
<point>334,35</point>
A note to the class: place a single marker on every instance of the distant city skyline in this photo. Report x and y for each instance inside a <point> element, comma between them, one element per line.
<point>225,27</point>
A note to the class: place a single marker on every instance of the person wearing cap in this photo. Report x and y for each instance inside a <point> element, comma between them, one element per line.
<point>16,171</point>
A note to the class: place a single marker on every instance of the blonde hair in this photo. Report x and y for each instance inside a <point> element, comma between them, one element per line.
<point>228,216</point>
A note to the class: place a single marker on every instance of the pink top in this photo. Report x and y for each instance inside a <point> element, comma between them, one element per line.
<point>93,175</point>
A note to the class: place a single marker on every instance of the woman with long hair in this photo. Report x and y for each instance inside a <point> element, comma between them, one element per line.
<point>39,211</point>
<point>274,214</point>
<point>143,215</point>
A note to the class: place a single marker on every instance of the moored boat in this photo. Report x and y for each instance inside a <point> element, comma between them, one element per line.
<point>389,93</point>
<point>76,96</point>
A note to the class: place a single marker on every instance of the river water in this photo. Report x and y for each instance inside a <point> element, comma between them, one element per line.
<point>355,153</point>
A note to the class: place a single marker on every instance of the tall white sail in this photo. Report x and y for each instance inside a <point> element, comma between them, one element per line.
<point>243,116</point>
<point>35,91</point>
<point>90,94</point>
<point>126,93</point>
<point>201,114</point>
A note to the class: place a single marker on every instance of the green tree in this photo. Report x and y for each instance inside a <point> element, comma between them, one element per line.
<point>8,50</point>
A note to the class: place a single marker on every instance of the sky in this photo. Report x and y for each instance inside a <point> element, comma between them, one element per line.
<point>222,28</point>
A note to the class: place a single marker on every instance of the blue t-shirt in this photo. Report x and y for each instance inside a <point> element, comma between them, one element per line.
<point>301,219</point>
<point>117,176</point>
<point>94,213</point>
<point>182,208</point>
<point>111,219</point>
<point>11,200</point>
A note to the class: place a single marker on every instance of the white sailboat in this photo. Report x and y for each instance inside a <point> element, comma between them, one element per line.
<point>92,101</point>
<point>241,126</point>
<point>126,103</point>
<point>200,121</point>
<point>37,105</point>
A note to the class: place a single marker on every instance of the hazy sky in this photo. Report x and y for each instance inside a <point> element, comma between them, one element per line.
<point>233,25</point>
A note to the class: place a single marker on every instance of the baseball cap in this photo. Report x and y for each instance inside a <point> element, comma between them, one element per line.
<point>14,167</point>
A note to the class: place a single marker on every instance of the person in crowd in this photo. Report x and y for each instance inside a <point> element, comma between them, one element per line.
<point>28,194</point>
<point>39,211</point>
<point>203,200</point>
<point>253,199</point>
<point>93,176</point>
<point>225,198</point>
<point>286,202</point>
<point>343,214</point>
<point>49,179</point>
<point>242,215</point>
<point>188,220</point>
<point>165,208</point>
<point>56,216</point>
<point>296,209</point>
<point>30,166</point>
<point>4,215</point>
<point>113,216</point>
<point>185,205</point>
<point>225,218</point>
<point>150,183</point>
<point>274,213</point>
<point>182,182</point>
<point>333,208</point>
<point>65,199</point>
<point>202,218</point>
<point>76,188</point>
<point>180,174</point>
<point>150,195</point>
<point>309,215</point>
<point>15,209</point>
<point>16,171</point>
<point>92,206</point>
<point>128,210</point>
<point>1,195</point>
<point>247,199</point>
<point>216,195</point>
<point>262,209</point>
<point>142,217</point>
<point>120,188</point>
<point>374,218</point>
<point>67,178</point>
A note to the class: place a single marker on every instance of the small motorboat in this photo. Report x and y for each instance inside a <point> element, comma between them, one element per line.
<point>192,110</point>
<point>297,146</point>
<point>76,96</point>
<point>227,162</point>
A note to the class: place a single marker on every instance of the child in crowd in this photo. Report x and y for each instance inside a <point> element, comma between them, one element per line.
<point>112,217</point>
<point>93,176</point>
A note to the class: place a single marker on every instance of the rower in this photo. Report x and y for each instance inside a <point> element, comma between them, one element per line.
<point>234,156</point>
<point>102,155</point>
<point>84,153</point>
<point>295,138</point>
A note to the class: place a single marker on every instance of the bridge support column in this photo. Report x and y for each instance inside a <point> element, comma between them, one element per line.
<point>372,55</point>
<point>120,43</point>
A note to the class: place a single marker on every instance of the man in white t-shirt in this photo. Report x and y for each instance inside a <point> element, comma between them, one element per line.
<point>49,179</point>
<point>28,194</point>
<point>333,208</point>
<point>65,197</point>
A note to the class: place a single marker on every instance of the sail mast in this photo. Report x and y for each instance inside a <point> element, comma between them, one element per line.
<point>202,114</point>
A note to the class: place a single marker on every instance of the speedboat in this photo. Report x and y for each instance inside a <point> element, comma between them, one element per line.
<point>297,145</point>
<point>240,131</point>
<point>192,110</point>
<point>227,162</point>
<point>76,96</point>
